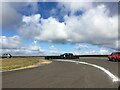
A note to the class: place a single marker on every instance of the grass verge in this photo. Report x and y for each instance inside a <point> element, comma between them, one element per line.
<point>15,63</point>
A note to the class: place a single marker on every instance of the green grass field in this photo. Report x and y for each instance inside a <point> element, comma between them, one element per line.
<point>13,63</point>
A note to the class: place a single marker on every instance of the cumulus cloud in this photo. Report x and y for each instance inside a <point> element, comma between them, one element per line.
<point>74,7</point>
<point>34,19</point>
<point>10,42</point>
<point>94,26</point>
<point>104,51</point>
<point>14,18</point>
<point>31,26</point>
<point>32,49</point>
<point>52,31</point>
<point>54,50</point>
<point>79,47</point>
<point>94,51</point>
<point>49,30</point>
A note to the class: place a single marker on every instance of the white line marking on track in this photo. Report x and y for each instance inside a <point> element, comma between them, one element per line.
<point>113,77</point>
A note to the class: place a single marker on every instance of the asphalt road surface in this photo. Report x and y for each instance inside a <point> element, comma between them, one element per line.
<point>63,75</point>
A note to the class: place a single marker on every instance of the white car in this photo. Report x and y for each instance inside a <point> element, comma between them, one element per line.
<point>6,55</point>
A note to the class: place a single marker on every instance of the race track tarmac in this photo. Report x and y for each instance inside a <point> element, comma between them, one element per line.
<point>64,75</point>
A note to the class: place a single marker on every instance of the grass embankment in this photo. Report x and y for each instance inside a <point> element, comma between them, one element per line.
<point>15,63</point>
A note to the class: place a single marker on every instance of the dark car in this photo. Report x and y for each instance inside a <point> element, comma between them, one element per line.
<point>7,55</point>
<point>115,56</point>
<point>68,56</point>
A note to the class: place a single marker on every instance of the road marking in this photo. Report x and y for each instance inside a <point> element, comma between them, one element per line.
<point>112,76</point>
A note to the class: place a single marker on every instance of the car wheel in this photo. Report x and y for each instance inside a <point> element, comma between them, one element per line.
<point>114,60</point>
<point>117,60</point>
<point>108,59</point>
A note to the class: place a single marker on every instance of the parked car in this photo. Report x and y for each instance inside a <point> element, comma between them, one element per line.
<point>68,56</point>
<point>115,56</point>
<point>7,55</point>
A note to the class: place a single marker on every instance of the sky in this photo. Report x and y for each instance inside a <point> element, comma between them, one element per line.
<point>54,28</point>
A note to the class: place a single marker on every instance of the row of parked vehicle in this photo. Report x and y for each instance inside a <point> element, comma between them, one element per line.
<point>115,56</point>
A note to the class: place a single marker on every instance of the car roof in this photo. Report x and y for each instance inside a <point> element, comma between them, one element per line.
<point>6,54</point>
<point>67,54</point>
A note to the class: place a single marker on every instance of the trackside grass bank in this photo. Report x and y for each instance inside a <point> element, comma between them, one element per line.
<point>16,63</point>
